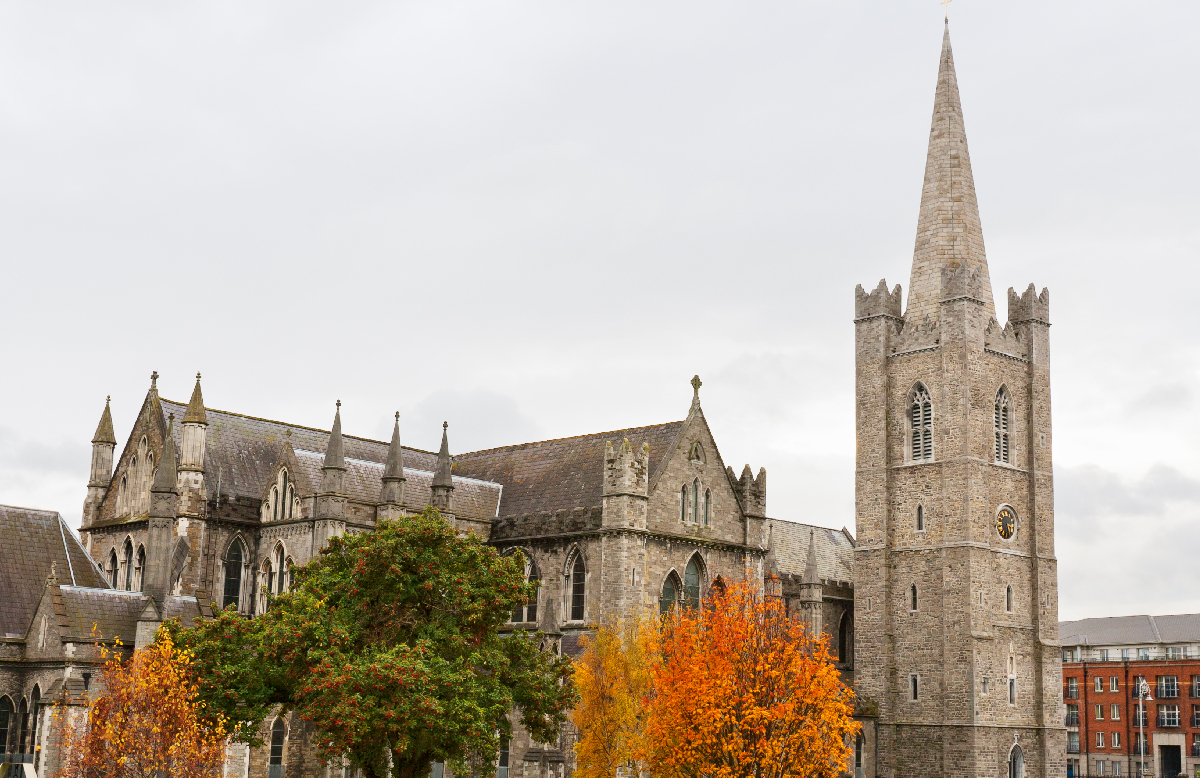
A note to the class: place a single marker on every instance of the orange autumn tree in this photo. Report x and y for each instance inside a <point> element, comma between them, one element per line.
<point>740,691</point>
<point>146,723</point>
<point>613,680</point>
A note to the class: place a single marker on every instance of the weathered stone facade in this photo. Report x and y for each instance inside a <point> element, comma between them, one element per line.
<point>956,609</point>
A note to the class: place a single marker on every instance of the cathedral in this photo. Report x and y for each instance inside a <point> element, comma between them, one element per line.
<point>941,607</point>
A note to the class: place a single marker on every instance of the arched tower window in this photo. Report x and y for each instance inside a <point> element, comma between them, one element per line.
<point>1003,423</point>
<point>920,518</point>
<point>233,576</point>
<point>578,587</point>
<point>845,638</point>
<point>912,597</point>
<point>683,501</point>
<point>920,412</point>
<point>112,568</point>
<point>278,739</point>
<point>128,566</point>
<point>707,506</point>
<point>139,569</point>
<point>1016,763</point>
<point>691,584</point>
<point>6,715</point>
<point>696,500</point>
<point>669,595</point>
<point>1008,599</point>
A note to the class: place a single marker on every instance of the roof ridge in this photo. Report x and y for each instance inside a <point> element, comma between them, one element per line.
<point>458,457</point>
<point>25,508</point>
<point>293,426</point>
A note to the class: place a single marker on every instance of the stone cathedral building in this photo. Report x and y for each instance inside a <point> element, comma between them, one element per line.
<point>941,610</point>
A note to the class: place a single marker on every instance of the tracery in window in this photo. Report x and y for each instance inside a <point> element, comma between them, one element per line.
<point>920,411</point>
<point>139,570</point>
<point>233,575</point>
<point>527,613</point>
<point>691,583</point>
<point>578,587</point>
<point>112,568</point>
<point>1002,424</point>
<point>127,566</point>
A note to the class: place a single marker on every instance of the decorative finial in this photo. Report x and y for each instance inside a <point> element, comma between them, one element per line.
<point>108,400</point>
<point>339,403</point>
<point>197,375</point>
<point>154,380</point>
<point>946,4</point>
<point>397,415</point>
<point>445,424</point>
<point>288,432</point>
<point>171,417</point>
<point>52,579</point>
<point>696,384</point>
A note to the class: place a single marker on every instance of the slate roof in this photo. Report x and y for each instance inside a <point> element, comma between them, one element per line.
<point>243,450</point>
<point>565,473</point>
<point>30,540</point>
<point>835,552</point>
<point>1130,630</point>
<point>114,612</point>
<point>472,499</point>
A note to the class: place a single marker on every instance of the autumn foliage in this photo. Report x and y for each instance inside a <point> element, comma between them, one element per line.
<point>734,689</point>
<point>147,722</point>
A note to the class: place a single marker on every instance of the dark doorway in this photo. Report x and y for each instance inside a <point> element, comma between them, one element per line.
<point>1171,761</point>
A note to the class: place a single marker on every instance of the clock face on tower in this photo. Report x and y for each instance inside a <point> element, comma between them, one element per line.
<point>1006,522</point>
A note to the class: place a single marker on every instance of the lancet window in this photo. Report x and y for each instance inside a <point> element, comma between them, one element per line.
<point>578,588</point>
<point>127,567</point>
<point>1003,423</point>
<point>233,576</point>
<point>669,595</point>
<point>691,584</point>
<point>527,613</point>
<point>921,416</point>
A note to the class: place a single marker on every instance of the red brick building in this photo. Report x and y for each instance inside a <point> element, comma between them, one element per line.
<point>1104,663</point>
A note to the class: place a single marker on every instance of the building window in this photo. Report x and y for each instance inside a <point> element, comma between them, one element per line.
<point>578,584</point>
<point>913,688</point>
<point>1116,740</point>
<point>1099,684</point>
<point>1143,654</point>
<point>921,415</point>
<point>1072,692</point>
<point>1168,686</point>
<point>683,501</point>
<point>920,518</point>
<point>1196,744</point>
<point>845,639</point>
<point>1016,763</point>
<point>278,740</point>
<point>1104,655</point>
<point>707,506</point>
<point>502,759</point>
<point>1195,686</point>
<point>127,567</point>
<point>1012,691</point>
<point>1068,655</point>
<point>1002,423</point>
<point>691,584</point>
<point>122,496</point>
<point>139,569</point>
<point>1072,742</point>
<point>1175,652</point>
<point>669,595</point>
<point>267,584</point>
<point>912,598</point>
<point>1008,600</point>
<point>1114,684</point>
<point>1099,740</point>
<point>696,501</point>
<point>528,612</point>
<point>112,568</point>
<point>1125,654</point>
<point>1072,716</point>
<point>1099,712</point>
<point>1168,716</point>
<point>233,576</point>
<point>1114,712</point>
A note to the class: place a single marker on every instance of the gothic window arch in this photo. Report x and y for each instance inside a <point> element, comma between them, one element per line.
<point>697,453</point>
<point>278,742</point>
<point>1016,763</point>
<point>527,613</point>
<point>683,504</point>
<point>266,576</point>
<point>35,701</point>
<point>670,593</point>
<point>577,580</point>
<point>127,566</point>
<point>920,518</point>
<point>139,569</point>
<point>123,496</point>
<point>1003,425</point>
<point>22,726</point>
<point>234,557</point>
<point>1008,599</point>
<point>696,501</point>
<point>692,580</point>
<point>6,721</point>
<point>707,506</point>
<point>279,571</point>
<point>285,575</point>
<point>112,568</point>
<point>845,642</point>
<point>912,598</point>
<point>920,416</point>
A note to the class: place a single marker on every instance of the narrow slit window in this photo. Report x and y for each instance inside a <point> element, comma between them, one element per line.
<point>912,593</point>
<point>920,518</point>
<point>696,501</point>
<point>913,687</point>
<point>1003,422</point>
<point>683,501</point>
<point>1008,599</point>
<point>707,506</point>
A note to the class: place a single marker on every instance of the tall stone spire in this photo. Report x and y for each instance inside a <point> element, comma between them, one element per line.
<point>811,576</point>
<point>334,470</point>
<point>104,430</point>
<point>103,443</point>
<point>393,470</point>
<point>195,410</point>
<point>443,482</point>
<point>949,235</point>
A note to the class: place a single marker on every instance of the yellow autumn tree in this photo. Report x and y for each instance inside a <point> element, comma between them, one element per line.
<point>145,723</point>
<point>740,691</point>
<point>613,680</point>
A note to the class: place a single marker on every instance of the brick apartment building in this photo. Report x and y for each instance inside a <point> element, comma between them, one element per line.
<point>1104,662</point>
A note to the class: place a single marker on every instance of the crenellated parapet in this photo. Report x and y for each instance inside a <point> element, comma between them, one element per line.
<point>545,523</point>
<point>1003,340</point>
<point>751,490</point>
<point>880,302</point>
<point>1029,306</point>
<point>916,336</point>
<point>966,281</point>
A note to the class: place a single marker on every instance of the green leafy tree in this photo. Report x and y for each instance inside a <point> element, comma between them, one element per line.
<point>389,644</point>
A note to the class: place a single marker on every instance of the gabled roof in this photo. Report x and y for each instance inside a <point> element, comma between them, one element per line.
<point>564,473</point>
<point>790,544</point>
<point>30,540</point>
<point>1130,630</point>
<point>113,613</point>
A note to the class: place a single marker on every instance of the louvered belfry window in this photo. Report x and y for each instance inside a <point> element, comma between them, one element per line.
<point>1003,425</point>
<point>921,412</point>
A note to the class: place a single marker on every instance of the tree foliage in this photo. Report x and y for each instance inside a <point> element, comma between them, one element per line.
<point>740,691</point>
<point>148,722</point>
<point>389,643</point>
<point>613,680</point>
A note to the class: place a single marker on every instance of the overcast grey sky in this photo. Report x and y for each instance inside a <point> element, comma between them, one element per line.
<point>539,219</point>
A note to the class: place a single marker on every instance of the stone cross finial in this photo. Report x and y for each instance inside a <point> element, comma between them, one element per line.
<point>108,399</point>
<point>52,579</point>
<point>339,403</point>
<point>696,384</point>
<point>154,380</point>
<point>445,424</point>
<point>397,415</point>
<point>197,375</point>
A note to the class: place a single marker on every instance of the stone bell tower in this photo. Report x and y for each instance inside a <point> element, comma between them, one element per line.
<point>956,593</point>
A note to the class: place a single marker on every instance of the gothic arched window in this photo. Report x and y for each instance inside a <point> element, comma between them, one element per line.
<point>123,496</point>
<point>696,501</point>
<point>845,639</point>
<point>920,411</point>
<point>279,568</point>
<point>1016,763</point>
<point>1003,422</point>
<point>920,518</point>
<point>266,584</point>
<point>670,593</point>
<point>912,596</point>
<point>1008,599</point>
<point>127,566</point>
<point>691,584</point>
<point>233,576</point>
<point>683,501</point>
<point>139,570</point>
<point>35,700</point>
<point>285,576</point>
<point>278,738</point>
<point>22,726</point>
<point>707,506</point>
<point>527,613</point>
<point>112,568</point>
<point>578,588</point>
<point>6,715</point>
